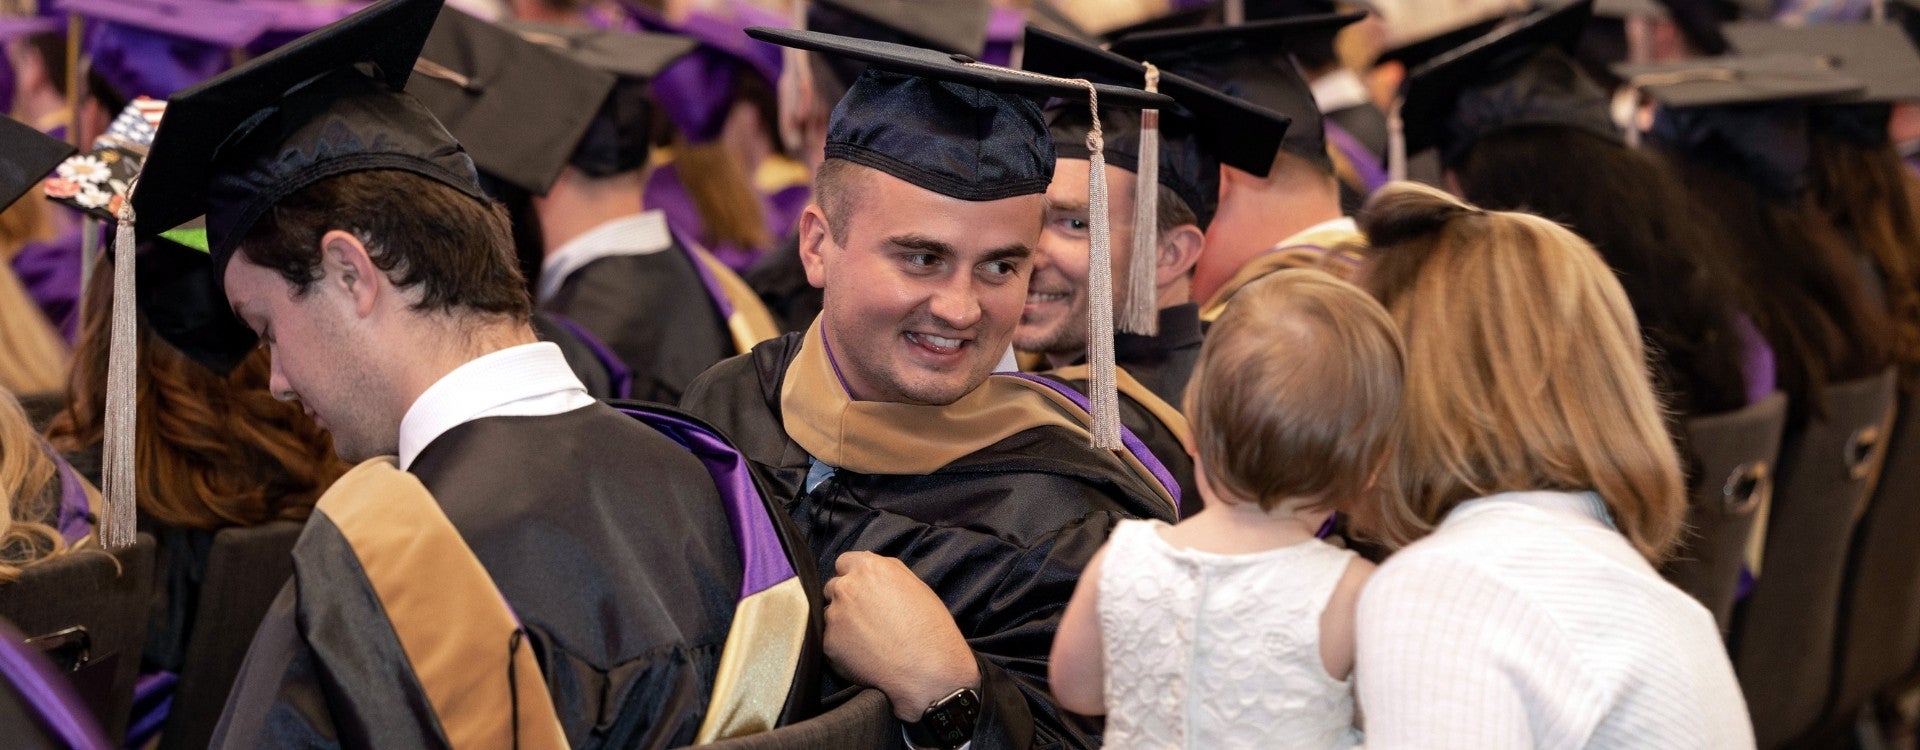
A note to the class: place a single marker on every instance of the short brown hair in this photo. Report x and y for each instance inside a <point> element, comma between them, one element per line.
<point>458,250</point>
<point>1526,367</point>
<point>1297,393</point>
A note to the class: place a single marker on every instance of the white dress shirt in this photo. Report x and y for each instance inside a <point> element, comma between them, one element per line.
<point>529,380</point>
<point>644,233</point>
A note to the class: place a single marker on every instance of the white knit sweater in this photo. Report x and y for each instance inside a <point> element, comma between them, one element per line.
<point>1526,621</point>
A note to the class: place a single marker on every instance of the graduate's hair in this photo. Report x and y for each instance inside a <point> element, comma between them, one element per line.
<point>1525,368</point>
<point>420,232</point>
<point>1818,317</point>
<point>33,359</point>
<point>1317,422</point>
<point>1874,201</point>
<point>29,494</point>
<point>1632,208</point>
<point>210,451</point>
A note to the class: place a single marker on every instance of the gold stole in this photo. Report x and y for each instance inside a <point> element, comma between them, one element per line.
<point>1152,402</point>
<point>1310,249</point>
<point>877,437</point>
<point>450,619</point>
<point>750,322</point>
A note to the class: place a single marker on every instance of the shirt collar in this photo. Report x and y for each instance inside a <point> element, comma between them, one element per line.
<point>1585,504</point>
<point>643,233</point>
<point>516,373</point>
<point>1339,90</point>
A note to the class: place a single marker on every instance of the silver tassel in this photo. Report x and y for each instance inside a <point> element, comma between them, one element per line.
<point>122,391</point>
<point>1100,376</point>
<point>1142,312</point>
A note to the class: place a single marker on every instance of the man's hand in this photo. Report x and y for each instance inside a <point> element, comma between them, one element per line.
<point>887,629</point>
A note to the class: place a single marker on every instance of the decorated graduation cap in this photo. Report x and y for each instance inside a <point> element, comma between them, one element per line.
<point>158,47</point>
<point>1250,61</point>
<point>26,156</point>
<point>1180,148</point>
<point>1879,56</point>
<point>968,130</point>
<point>1500,81</point>
<point>1742,115</point>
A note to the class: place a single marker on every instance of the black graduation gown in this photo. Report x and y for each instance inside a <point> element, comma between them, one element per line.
<point>1164,362</point>
<point>609,542</point>
<point>1000,535</point>
<point>584,358</point>
<point>781,281</point>
<point>653,312</point>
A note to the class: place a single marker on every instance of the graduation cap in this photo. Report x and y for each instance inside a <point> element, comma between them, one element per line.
<point>968,130</point>
<point>616,139</point>
<point>479,80</point>
<point>1250,61</point>
<point>1879,56</point>
<point>1180,19</point>
<point>955,26</point>
<point>97,181</point>
<point>158,47</point>
<point>1182,147</point>
<point>1414,51</point>
<point>698,90</point>
<point>1496,82</point>
<point>26,155</point>
<point>1743,115</point>
<point>1699,22</point>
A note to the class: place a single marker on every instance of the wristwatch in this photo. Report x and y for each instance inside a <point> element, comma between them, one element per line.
<point>948,723</point>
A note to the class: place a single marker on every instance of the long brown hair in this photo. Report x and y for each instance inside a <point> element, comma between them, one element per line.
<point>1872,199</point>
<point>33,359</point>
<point>210,450</point>
<point>29,494</point>
<point>1525,368</point>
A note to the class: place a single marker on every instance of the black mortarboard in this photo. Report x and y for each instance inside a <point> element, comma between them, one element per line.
<point>1493,83</point>
<point>1413,53</point>
<point>1199,16</point>
<point>1205,129</point>
<point>957,26</point>
<point>328,104</point>
<point>972,131</point>
<point>1250,61</point>
<point>617,139</point>
<point>481,80</point>
<point>26,156</point>
<point>1742,115</point>
<point>1880,56</point>
<point>1312,51</point>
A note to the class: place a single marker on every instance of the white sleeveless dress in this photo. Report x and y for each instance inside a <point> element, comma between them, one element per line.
<point>1212,651</point>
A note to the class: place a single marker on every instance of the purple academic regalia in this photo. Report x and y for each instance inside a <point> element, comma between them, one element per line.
<point>781,209</point>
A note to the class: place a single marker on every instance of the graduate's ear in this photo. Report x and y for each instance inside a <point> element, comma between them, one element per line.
<point>346,267</point>
<point>1179,251</point>
<point>814,237</point>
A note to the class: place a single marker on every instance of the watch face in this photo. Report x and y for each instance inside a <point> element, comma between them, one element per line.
<point>948,723</point>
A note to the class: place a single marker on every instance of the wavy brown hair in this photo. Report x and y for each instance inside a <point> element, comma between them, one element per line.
<point>29,494</point>
<point>210,450</point>
<point>1873,200</point>
<point>1525,368</point>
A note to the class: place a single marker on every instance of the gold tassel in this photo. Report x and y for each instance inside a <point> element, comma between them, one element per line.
<point>1141,314</point>
<point>122,390</point>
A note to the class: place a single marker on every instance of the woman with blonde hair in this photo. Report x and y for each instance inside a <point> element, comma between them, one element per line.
<point>33,358</point>
<point>1541,488</point>
<point>43,503</point>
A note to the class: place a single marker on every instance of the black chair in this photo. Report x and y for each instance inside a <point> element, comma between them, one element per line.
<point>1734,453</point>
<point>1783,633</point>
<point>89,611</point>
<point>246,569</point>
<point>1879,642</point>
<point>864,721</point>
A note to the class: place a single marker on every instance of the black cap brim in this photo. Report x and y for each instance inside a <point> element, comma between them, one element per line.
<point>954,68</point>
<point>26,156</point>
<point>958,26</point>
<point>1727,81</point>
<point>1416,53</point>
<point>1276,35</point>
<point>1877,55</point>
<point>1239,133</point>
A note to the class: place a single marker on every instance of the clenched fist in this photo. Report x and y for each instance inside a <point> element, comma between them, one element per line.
<point>887,629</point>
